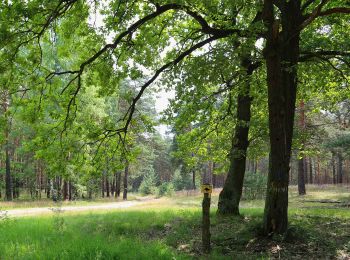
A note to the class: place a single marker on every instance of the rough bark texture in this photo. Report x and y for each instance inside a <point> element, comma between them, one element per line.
<point>231,193</point>
<point>301,175</point>
<point>206,223</point>
<point>281,55</point>
<point>125,182</point>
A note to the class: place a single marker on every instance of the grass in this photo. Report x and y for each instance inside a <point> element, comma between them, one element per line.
<point>46,203</point>
<point>169,228</point>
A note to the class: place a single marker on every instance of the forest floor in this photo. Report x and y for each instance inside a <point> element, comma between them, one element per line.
<point>170,228</point>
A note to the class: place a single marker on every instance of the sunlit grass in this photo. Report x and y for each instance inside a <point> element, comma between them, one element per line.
<point>170,228</point>
<point>46,203</point>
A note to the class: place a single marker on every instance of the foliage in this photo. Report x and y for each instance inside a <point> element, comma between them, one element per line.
<point>182,180</point>
<point>254,186</point>
<point>148,184</point>
<point>166,189</point>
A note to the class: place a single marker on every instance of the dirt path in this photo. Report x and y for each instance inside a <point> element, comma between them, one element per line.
<point>104,206</point>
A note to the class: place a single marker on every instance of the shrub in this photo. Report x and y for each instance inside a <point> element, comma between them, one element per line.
<point>148,184</point>
<point>182,180</point>
<point>166,189</point>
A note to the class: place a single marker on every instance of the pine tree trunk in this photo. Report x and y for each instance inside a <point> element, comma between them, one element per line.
<point>8,178</point>
<point>306,176</point>
<point>301,175</point>
<point>340,168</point>
<point>107,187</point>
<point>281,55</point>
<point>334,169</point>
<point>310,171</point>
<point>301,161</point>
<point>125,182</point>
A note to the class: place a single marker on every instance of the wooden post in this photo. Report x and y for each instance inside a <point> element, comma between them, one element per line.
<point>206,189</point>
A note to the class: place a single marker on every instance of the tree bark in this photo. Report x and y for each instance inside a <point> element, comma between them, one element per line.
<point>334,169</point>
<point>281,54</point>
<point>340,168</point>
<point>103,185</point>
<point>306,176</point>
<point>301,175</point>
<point>231,193</point>
<point>65,190</point>
<point>301,161</point>
<point>70,190</point>
<point>125,182</point>
<point>193,179</point>
<point>8,177</point>
<point>107,187</point>
<point>118,178</point>
<point>310,171</point>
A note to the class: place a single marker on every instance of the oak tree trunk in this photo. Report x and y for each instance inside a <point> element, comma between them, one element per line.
<point>281,54</point>
<point>231,193</point>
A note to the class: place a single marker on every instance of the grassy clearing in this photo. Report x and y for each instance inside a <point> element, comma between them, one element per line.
<point>170,228</point>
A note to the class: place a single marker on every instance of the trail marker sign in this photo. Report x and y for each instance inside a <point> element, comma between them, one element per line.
<point>206,188</point>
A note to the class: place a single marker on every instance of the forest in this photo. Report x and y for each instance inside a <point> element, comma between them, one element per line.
<point>174,129</point>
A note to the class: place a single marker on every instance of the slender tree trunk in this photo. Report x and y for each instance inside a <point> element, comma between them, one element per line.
<point>301,168</point>
<point>65,190</point>
<point>193,179</point>
<point>119,180</point>
<point>281,55</point>
<point>306,176</point>
<point>8,178</point>
<point>70,190</point>
<point>340,168</point>
<point>125,182</point>
<point>113,186</point>
<point>107,187</point>
<point>103,186</point>
<point>334,169</point>
<point>48,189</point>
<point>231,193</point>
<point>301,181</point>
<point>310,171</point>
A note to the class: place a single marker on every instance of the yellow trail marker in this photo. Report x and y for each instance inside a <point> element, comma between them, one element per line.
<point>206,188</point>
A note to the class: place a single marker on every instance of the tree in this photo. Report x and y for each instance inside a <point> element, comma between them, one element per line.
<point>194,25</point>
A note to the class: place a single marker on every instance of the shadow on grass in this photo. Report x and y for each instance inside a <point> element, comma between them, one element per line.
<point>169,234</point>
